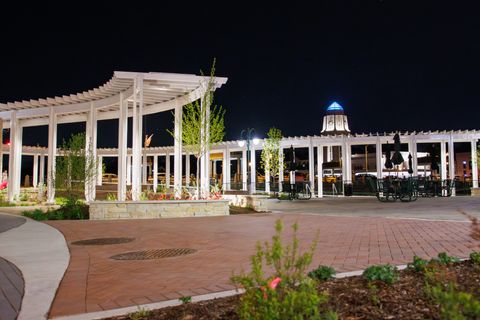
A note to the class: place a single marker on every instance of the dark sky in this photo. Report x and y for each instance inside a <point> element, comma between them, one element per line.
<point>393,65</point>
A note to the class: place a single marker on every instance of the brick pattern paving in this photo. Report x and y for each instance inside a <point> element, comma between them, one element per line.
<point>11,290</point>
<point>93,282</point>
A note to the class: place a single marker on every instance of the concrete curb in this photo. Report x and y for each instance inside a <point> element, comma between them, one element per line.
<point>41,254</point>
<point>176,302</point>
<point>149,306</point>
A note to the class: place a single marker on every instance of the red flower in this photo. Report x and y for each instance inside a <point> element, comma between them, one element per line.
<point>274,283</point>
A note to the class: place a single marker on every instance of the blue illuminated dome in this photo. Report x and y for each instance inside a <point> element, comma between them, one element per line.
<point>335,107</point>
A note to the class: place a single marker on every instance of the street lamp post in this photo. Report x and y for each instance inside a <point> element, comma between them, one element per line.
<point>246,137</point>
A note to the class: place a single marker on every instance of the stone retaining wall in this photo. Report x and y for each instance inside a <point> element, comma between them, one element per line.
<point>475,192</point>
<point>257,203</point>
<point>105,210</point>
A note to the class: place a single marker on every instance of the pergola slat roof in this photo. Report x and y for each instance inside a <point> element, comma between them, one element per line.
<point>159,90</point>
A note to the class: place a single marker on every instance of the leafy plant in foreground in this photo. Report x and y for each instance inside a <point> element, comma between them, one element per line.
<point>322,273</point>
<point>453,304</point>
<point>288,293</point>
<point>445,259</point>
<point>475,257</point>
<point>186,299</point>
<point>385,273</point>
<point>418,264</point>
<point>141,314</point>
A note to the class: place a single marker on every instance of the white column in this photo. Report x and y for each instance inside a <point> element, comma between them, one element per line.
<point>267,181</point>
<point>35,171</point>
<point>311,167</point>
<point>474,164</point>
<point>329,153</point>
<point>443,164</point>
<point>144,166</point>
<point>187,169</point>
<point>122,150</point>
<point>129,170</point>
<point>320,171</point>
<point>137,141</point>
<point>91,153</point>
<point>253,171</point>
<point>443,160</point>
<point>155,172</point>
<point>280,170</point>
<point>378,158</point>
<point>205,160</point>
<point>167,170</point>
<point>344,165</point>
<point>349,162</point>
<point>15,158</point>
<point>52,152</point>
<point>244,170</point>
<point>451,163</point>
<point>99,170</point>
<point>226,176</point>
<point>42,169</point>
<point>177,147</point>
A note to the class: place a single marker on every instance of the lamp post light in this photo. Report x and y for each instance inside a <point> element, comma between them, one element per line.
<point>246,137</point>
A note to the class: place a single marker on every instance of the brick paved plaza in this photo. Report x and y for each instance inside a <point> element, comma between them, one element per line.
<point>94,282</point>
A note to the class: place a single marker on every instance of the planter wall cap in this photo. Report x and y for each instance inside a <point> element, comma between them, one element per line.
<point>157,201</point>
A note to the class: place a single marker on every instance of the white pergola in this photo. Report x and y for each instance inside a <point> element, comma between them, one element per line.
<point>321,143</point>
<point>126,94</point>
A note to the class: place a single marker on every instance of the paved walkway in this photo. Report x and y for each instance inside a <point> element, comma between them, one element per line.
<point>94,282</point>
<point>424,208</point>
<point>11,280</point>
<point>40,253</point>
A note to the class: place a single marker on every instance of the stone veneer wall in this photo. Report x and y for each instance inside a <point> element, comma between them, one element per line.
<point>475,192</point>
<point>104,210</point>
<point>257,203</point>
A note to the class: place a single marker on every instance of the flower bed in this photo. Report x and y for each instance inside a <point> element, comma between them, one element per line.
<point>357,298</point>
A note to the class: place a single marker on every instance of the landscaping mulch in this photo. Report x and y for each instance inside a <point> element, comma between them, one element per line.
<point>352,298</point>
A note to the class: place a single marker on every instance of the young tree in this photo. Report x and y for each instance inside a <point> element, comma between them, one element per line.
<point>199,117</point>
<point>76,167</point>
<point>271,158</point>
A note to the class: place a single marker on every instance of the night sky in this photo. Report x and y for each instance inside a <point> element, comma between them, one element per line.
<point>392,65</point>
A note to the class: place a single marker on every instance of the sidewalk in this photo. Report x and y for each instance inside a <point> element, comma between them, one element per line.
<point>41,254</point>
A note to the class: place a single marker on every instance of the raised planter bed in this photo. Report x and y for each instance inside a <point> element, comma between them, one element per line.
<point>106,210</point>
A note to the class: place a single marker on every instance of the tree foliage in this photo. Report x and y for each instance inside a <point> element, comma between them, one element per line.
<point>199,117</point>
<point>75,167</point>
<point>272,158</point>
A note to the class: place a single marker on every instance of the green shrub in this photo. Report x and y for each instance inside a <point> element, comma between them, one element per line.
<point>330,315</point>
<point>475,257</point>
<point>385,273</point>
<point>454,304</point>
<point>445,259</point>
<point>283,196</point>
<point>141,314</point>
<point>186,299</point>
<point>322,273</point>
<point>373,291</point>
<point>23,196</point>
<point>418,264</point>
<point>72,209</point>
<point>36,214</point>
<point>288,294</point>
